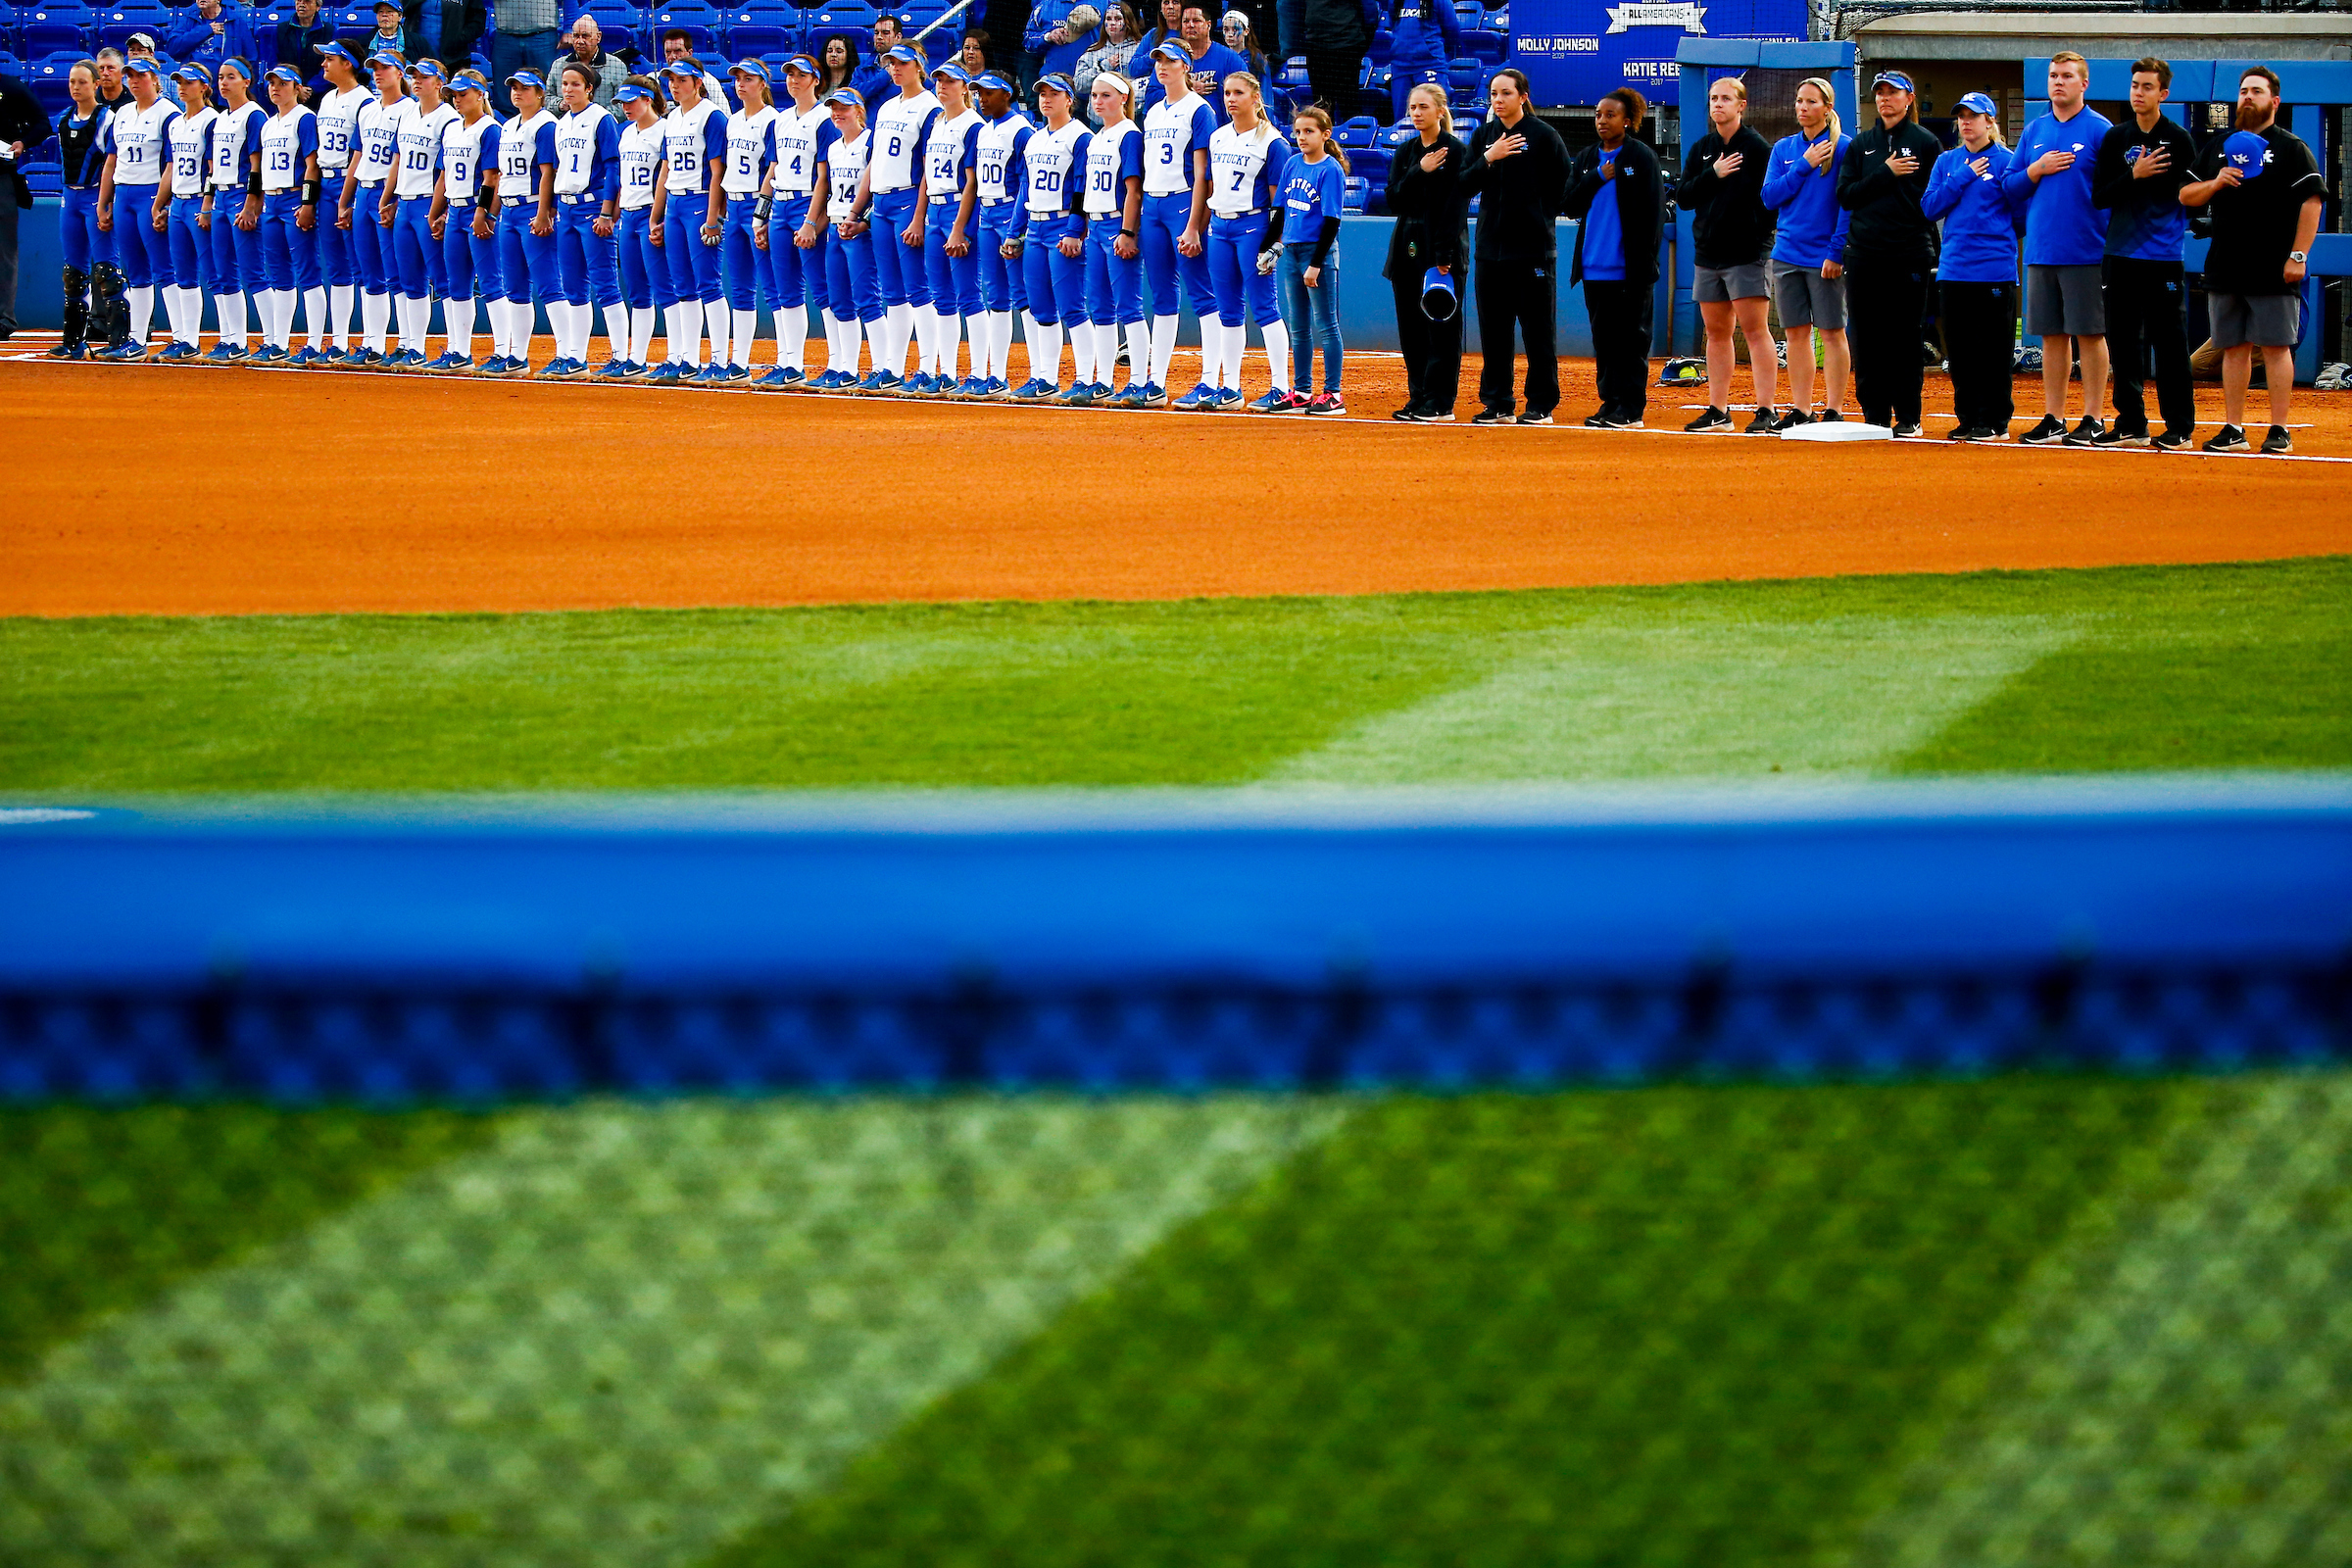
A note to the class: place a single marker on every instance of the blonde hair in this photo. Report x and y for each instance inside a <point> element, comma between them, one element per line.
<point>1435,90</point>
<point>2067,57</point>
<point>1737,84</point>
<point>1829,100</point>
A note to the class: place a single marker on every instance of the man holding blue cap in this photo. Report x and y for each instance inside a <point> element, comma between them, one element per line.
<point>2066,240</point>
<point>2142,164</point>
<point>2266,192</point>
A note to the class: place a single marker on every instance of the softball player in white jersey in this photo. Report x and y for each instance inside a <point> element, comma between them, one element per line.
<point>796,257</point>
<point>463,203</point>
<point>891,200</point>
<point>338,110</point>
<point>750,151</point>
<point>694,138</point>
<point>1246,159</point>
<point>948,265</point>
<point>288,170</point>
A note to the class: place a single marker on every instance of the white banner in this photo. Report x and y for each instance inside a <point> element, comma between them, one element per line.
<point>1688,15</point>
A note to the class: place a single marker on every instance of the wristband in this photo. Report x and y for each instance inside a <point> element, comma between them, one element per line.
<point>1126,233</point>
<point>252,182</point>
<point>767,205</point>
<point>309,192</point>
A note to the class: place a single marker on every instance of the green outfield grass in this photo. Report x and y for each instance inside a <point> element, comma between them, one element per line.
<point>2219,666</point>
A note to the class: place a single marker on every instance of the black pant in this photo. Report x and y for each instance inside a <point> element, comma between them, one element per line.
<point>2147,312</point>
<point>9,214</point>
<point>1884,299</point>
<point>1619,316</point>
<point>1980,343</point>
<point>1331,80</point>
<point>1524,295</point>
<point>1433,350</point>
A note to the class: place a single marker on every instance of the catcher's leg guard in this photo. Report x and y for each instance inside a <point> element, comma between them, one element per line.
<point>78,305</point>
<point>111,307</point>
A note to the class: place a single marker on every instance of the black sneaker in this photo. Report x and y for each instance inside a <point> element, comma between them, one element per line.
<point>1713,420</point>
<point>1491,417</point>
<point>1624,418</point>
<point>1789,419</point>
<point>2048,430</point>
<point>2088,432</point>
<point>2168,441</point>
<point>2278,441</point>
<point>1906,431</point>
<point>1408,415</point>
<point>1971,432</point>
<point>1829,417</point>
<point>1764,422</point>
<point>1601,418</point>
<point>1531,416</point>
<point>2228,439</point>
<point>2120,437</point>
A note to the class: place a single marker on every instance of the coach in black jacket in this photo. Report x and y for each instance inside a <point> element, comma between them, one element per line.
<point>1889,253</point>
<point>1618,200</point>
<point>1517,166</point>
<point>22,128</point>
<point>1425,194</point>
<point>1723,189</point>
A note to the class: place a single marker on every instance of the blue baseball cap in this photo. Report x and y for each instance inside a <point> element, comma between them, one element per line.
<point>953,72</point>
<point>844,98</point>
<point>1059,83</point>
<point>2246,152</point>
<point>1976,103</point>
<point>192,72</point>
<point>284,73</point>
<point>140,63</point>
<point>629,93</point>
<point>1891,78</point>
<point>992,82</point>
<point>1170,49</point>
<point>902,54</point>
<point>428,68</point>
<point>749,67</point>
<point>339,52</point>
<point>527,79</point>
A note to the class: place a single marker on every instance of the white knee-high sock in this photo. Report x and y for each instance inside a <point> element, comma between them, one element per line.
<point>1139,351</point>
<point>1213,351</point>
<point>1106,354</point>
<point>287,303</point>
<point>340,298</point>
<point>616,331</point>
<point>897,331</point>
<point>686,333</point>
<point>739,347</point>
<point>792,337</point>
<point>375,315</point>
<point>1278,353</point>
<point>142,311</point>
<point>640,334</point>
<point>232,307</point>
<point>583,327</point>
<point>313,307</point>
<point>497,307</point>
<point>1081,354</point>
<point>999,345</point>
<point>1045,352</point>
<point>1162,334</point>
<point>1229,362</point>
<point>403,316</point>
<point>947,335</point>
<point>458,318</point>
<point>925,322</point>
<point>171,310</point>
<point>265,305</point>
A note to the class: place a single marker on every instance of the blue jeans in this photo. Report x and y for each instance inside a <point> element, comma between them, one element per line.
<point>510,52</point>
<point>1319,307</point>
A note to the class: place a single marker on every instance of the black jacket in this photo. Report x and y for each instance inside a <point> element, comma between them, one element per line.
<point>1428,207</point>
<point>1732,226</point>
<point>1519,196</point>
<point>2134,205</point>
<point>1341,27</point>
<point>1887,224</point>
<point>20,120</point>
<point>1641,207</point>
<point>299,47</point>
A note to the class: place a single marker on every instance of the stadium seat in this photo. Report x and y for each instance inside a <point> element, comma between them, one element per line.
<point>117,22</point>
<point>1359,132</point>
<point>1292,78</point>
<point>1353,199</point>
<point>1396,135</point>
<point>46,80</point>
<point>1383,43</point>
<point>848,16</point>
<point>702,23</point>
<point>1465,76</point>
<point>1466,126</point>
<point>760,30</point>
<point>45,180</point>
<point>1487,48</point>
<point>354,27</point>
<point>56,29</point>
<point>10,65</point>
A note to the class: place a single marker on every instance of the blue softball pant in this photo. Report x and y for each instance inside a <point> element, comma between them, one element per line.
<point>794,275</point>
<point>954,279</point>
<point>1056,283</point>
<point>850,291</point>
<point>86,246</point>
<point>283,253</point>
<point>371,241</point>
<point>1243,293</point>
<point>526,262</point>
<point>590,266</point>
<point>644,270</point>
<point>693,265</point>
<point>236,252</point>
<point>1164,266</point>
<point>413,243</point>
<point>469,265</point>
<point>1115,287</point>
<point>898,266</point>
<point>742,273</point>
<point>144,255</point>
<point>1000,279</point>
<point>337,264</point>
<point>191,247</point>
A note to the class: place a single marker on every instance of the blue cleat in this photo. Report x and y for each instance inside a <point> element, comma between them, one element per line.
<point>1201,396</point>
<point>69,351</point>
<point>452,364</point>
<point>1229,398</point>
<point>363,359</point>
<point>714,374</point>
<point>126,353</point>
<point>612,370</point>
<point>663,374</point>
<point>1035,390</point>
<point>770,379</point>
<point>326,359</point>
<point>269,354</point>
<point>1130,396</point>
<point>792,379</point>
<point>1155,396</point>
<point>1080,395</point>
<point>739,374</point>
<point>972,386</point>
<point>562,370</point>
<point>223,352</point>
<point>302,359</point>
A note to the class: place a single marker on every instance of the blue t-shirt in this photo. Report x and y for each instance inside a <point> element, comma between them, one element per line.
<point>2062,226</point>
<point>1311,193</point>
<point>1604,233</point>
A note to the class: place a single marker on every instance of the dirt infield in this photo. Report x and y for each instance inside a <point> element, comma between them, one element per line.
<point>151,490</point>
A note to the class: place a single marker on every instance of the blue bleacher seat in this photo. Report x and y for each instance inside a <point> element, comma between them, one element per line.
<point>1354,200</point>
<point>1292,78</point>
<point>1383,44</point>
<point>1487,48</point>
<point>701,22</point>
<point>46,78</point>
<point>1358,132</point>
<point>849,15</point>
<point>354,27</point>
<point>1465,76</point>
<point>10,65</point>
<point>47,181</point>
<point>118,21</point>
<point>1396,136</point>
<point>56,29</point>
<point>760,30</point>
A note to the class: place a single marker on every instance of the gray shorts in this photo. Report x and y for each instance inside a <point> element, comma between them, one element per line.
<point>2266,321</point>
<point>2066,301</point>
<point>1807,299</point>
<point>1718,285</point>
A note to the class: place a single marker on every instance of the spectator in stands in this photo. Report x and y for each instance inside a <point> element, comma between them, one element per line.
<point>1516,166</point>
<point>973,55</point>
<point>141,46</point>
<point>2066,244</point>
<point>608,70</point>
<point>1977,271</point>
<point>1423,36</point>
<point>392,33</point>
<point>1890,252</point>
<point>1425,195</point>
<point>112,93</point>
<point>22,128</point>
<point>301,36</point>
<point>1239,37</point>
<point>872,81</point>
<point>676,45</point>
<point>2266,202</point>
<point>1005,21</point>
<point>525,39</point>
<point>209,33</point>
<point>1113,43</point>
<point>837,63</point>
<point>1212,62</point>
<point>1617,195</point>
<point>2142,164</point>
<point>1170,22</point>
<point>1058,32</point>
<point>1336,34</point>
<point>1723,186</point>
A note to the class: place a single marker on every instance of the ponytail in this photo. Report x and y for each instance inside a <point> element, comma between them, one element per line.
<point>1828,98</point>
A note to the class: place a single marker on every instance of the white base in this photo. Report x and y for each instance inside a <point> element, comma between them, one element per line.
<point>1842,430</point>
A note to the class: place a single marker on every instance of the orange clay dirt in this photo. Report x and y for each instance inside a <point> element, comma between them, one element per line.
<point>178,491</point>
